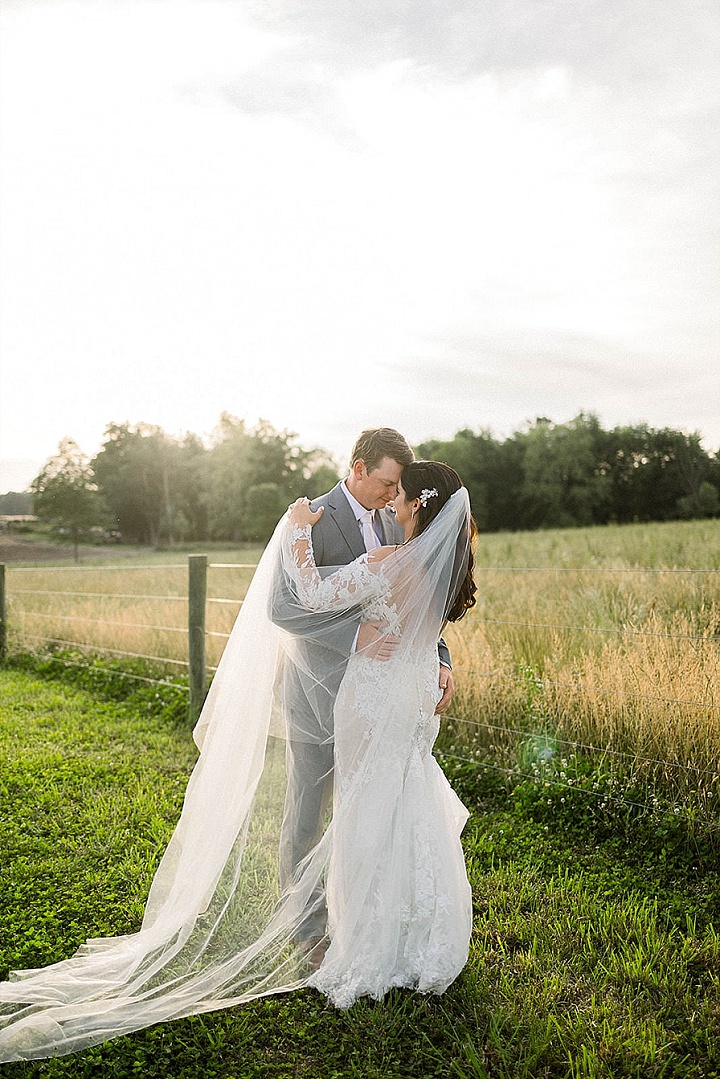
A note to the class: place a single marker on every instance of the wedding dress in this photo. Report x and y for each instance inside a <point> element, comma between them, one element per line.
<point>221,925</point>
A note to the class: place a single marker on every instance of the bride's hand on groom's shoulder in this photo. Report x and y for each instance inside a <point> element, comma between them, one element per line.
<point>301,515</point>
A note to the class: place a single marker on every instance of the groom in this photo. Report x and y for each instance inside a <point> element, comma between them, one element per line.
<point>355,520</point>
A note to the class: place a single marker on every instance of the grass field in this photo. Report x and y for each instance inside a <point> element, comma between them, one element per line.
<point>595,953</point>
<point>136,604</point>
<point>605,637</point>
<point>601,637</point>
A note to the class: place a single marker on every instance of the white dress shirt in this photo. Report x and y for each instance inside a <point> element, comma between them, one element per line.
<point>361,517</point>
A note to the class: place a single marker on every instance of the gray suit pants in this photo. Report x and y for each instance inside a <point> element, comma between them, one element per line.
<point>309,789</point>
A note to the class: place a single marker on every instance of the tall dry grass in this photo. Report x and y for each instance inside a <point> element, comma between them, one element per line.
<point>604,638</point>
<point>125,608</point>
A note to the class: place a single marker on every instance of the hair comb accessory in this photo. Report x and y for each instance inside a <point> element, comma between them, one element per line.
<point>427,493</point>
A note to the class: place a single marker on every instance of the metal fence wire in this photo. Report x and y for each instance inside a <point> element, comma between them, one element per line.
<point>104,619</point>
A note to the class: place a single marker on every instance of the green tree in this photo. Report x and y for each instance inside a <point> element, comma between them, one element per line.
<point>65,494</point>
<point>704,503</point>
<point>563,480</point>
<point>241,458</point>
<point>489,469</point>
<point>321,478</point>
<point>190,489</point>
<point>320,474</point>
<point>226,480</point>
<point>134,471</point>
<point>265,504</point>
<point>657,475</point>
<point>464,453</point>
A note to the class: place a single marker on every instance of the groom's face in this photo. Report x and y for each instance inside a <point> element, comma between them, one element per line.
<point>375,489</point>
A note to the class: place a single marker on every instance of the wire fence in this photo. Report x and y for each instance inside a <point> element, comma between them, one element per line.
<point>524,655</point>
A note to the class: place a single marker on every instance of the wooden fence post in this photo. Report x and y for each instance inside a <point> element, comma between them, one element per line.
<point>197,595</point>
<point>3,614</point>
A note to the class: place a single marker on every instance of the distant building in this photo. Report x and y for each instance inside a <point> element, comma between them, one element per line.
<point>12,522</point>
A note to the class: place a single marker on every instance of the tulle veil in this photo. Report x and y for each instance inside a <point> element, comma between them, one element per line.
<point>222,921</point>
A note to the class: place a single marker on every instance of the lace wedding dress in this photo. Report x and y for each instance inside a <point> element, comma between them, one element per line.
<point>222,921</point>
<point>399,902</point>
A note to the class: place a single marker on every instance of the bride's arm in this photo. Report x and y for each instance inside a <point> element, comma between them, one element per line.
<point>344,588</point>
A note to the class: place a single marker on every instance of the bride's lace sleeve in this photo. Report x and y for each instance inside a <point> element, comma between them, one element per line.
<point>346,587</point>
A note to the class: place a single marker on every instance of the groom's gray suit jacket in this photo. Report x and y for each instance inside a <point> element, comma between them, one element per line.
<point>337,541</point>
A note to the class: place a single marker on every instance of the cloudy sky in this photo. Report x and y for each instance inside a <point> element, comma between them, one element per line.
<point>334,214</point>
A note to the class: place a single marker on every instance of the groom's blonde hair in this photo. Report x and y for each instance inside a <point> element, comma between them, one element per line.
<point>378,442</point>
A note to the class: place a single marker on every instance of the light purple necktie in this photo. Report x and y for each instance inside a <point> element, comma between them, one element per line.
<point>368,532</point>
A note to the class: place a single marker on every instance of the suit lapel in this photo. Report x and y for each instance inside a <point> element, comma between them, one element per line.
<point>345,521</point>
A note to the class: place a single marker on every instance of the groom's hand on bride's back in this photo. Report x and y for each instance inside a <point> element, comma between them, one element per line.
<point>447,685</point>
<point>374,642</point>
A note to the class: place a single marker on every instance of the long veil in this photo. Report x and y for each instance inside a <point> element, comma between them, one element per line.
<point>223,919</point>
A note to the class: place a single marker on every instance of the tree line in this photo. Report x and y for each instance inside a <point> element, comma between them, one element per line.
<point>145,486</point>
<point>564,475</point>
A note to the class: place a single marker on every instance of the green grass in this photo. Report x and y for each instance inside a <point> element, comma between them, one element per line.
<point>652,544</point>
<point>595,952</point>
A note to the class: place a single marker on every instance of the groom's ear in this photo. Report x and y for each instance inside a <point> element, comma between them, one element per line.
<point>358,469</point>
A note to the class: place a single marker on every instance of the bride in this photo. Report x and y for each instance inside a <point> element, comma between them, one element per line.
<point>221,923</point>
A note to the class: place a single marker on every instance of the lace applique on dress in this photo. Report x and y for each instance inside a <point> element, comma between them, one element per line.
<point>380,608</point>
<point>346,587</point>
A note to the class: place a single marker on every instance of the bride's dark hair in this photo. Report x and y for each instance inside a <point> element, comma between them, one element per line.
<point>430,476</point>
